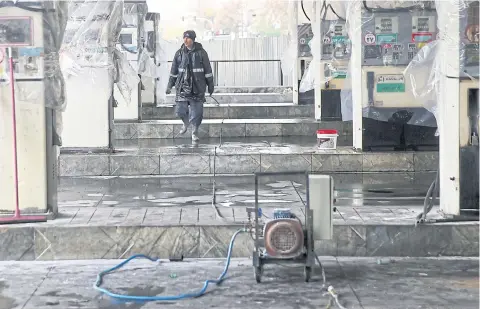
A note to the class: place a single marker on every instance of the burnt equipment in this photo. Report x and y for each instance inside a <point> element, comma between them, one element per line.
<point>286,238</point>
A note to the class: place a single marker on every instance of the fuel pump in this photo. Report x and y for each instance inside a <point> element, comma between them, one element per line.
<point>91,33</point>
<point>392,117</point>
<point>28,106</point>
<point>335,55</point>
<point>305,57</point>
<point>128,43</point>
<point>469,107</point>
<point>141,32</point>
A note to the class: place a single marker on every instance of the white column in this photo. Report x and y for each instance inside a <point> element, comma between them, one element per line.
<point>355,28</point>
<point>449,110</point>
<point>317,61</point>
<point>293,11</point>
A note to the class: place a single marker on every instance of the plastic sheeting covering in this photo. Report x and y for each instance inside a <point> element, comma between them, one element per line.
<point>363,26</point>
<point>55,15</point>
<point>92,32</point>
<point>425,71</point>
<point>420,75</point>
<point>331,14</point>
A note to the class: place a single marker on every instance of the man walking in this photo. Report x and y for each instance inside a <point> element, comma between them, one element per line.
<point>191,73</point>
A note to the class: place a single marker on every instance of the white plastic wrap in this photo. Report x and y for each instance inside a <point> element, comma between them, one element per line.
<point>331,67</point>
<point>92,41</point>
<point>425,71</point>
<point>393,105</point>
<point>54,15</point>
<point>288,58</point>
<point>163,50</point>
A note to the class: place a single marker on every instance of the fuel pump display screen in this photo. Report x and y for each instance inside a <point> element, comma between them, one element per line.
<point>338,30</point>
<point>126,39</point>
<point>16,31</point>
<point>423,24</point>
<point>386,25</point>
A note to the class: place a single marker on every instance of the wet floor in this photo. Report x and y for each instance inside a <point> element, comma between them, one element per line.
<point>185,142</point>
<point>361,283</point>
<point>367,189</point>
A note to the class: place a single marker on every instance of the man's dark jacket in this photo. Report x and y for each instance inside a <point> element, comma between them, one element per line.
<point>191,73</point>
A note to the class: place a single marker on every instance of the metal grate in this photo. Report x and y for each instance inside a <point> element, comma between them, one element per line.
<point>283,239</point>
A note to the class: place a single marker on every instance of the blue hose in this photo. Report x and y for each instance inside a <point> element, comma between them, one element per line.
<point>217,281</point>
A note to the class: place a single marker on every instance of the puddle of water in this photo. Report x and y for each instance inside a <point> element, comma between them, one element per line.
<point>110,203</point>
<point>95,195</point>
<point>267,201</point>
<point>79,203</point>
<point>227,204</point>
<point>6,302</point>
<point>108,303</point>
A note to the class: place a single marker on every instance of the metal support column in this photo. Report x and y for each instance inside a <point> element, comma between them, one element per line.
<point>293,11</point>
<point>317,62</point>
<point>355,20</point>
<point>449,111</point>
<point>141,45</point>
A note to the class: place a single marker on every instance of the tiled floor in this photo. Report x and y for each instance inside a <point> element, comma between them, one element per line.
<point>208,215</point>
<point>360,199</point>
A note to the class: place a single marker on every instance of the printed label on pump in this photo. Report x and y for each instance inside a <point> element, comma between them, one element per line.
<point>339,39</point>
<point>386,38</point>
<point>391,83</point>
<point>30,52</point>
<point>422,37</point>
<point>369,39</point>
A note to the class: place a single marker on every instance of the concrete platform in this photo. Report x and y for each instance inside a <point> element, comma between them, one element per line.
<point>240,158</point>
<point>114,217</point>
<point>235,111</point>
<point>197,232</point>
<point>229,128</point>
<point>400,283</point>
<point>228,98</point>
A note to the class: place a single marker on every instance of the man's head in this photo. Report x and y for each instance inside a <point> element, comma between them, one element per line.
<point>189,37</point>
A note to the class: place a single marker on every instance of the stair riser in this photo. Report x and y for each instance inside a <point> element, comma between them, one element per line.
<point>245,98</point>
<point>164,239</point>
<point>129,131</point>
<point>251,90</point>
<point>235,112</point>
<point>191,163</point>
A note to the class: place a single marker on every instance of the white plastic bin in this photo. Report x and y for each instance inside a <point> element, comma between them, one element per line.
<point>327,139</point>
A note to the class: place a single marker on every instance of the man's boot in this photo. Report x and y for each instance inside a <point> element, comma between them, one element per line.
<point>184,127</point>
<point>195,137</point>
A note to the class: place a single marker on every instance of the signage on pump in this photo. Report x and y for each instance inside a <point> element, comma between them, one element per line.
<point>370,39</point>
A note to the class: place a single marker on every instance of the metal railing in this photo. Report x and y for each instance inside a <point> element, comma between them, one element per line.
<point>215,67</point>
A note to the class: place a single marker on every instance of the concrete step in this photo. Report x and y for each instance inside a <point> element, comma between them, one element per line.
<point>150,221</point>
<point>247,89</point>
<point>115,217</point>
<point>156,143</point>
<point>235,111</point>
<point>229,128</point>
<point>229,98</point>
<point>118,240</point>
<point>239,159</point>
